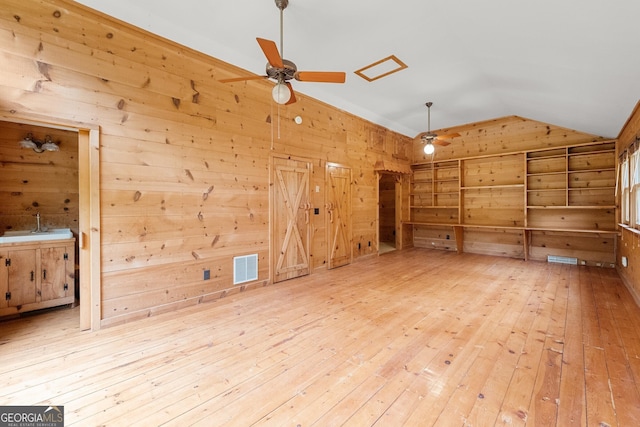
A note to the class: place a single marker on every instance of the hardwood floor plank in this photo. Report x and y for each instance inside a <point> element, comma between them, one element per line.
<point>572,399</point>
<point>413,338</point>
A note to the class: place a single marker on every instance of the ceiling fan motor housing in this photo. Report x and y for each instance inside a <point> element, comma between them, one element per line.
<point>282,4</point>
<point>282,74</point>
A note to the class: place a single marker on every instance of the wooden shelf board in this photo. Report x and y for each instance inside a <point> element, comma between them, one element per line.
<point>552,156</point>
<point>564,172</point>
<point>573,230</point>
<point>592,170</point>
<point>511,227</point>
<point>590,188</point>
<point>433,207</point>
<point>589,153</point>
<point>488,187</point>
<point>566,207</point>
<point>431,224</point>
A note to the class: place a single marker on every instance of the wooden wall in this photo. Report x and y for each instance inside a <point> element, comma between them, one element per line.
<point>502,136</point>
<point>185,160</point>
<point>33,182</point>
<point>629,241</point>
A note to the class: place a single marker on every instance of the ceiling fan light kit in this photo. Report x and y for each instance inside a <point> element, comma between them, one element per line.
<point>281,93</point>
<point>429,138</point>
<point>429,148</point>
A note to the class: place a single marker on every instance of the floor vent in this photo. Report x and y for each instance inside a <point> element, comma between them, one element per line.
<point>562,260</point>
<point>245,268</point>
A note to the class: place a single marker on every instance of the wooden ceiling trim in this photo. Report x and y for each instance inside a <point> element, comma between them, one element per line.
<point>381,67</point>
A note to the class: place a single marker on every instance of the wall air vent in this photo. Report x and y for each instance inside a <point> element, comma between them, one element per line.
<point>562,260</point>
<point>245,268</point>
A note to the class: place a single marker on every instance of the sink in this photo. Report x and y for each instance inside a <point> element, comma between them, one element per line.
<point>30,236</point>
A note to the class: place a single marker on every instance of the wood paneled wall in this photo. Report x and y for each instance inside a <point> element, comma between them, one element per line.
<point>629,241</point>
<point>185,159</point>
<point>503,136</point>
<point>33,182</point>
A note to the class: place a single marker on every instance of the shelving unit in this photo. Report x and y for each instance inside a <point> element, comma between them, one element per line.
<point>572,188</point>
<point>519,204</point>
<point>435,190</point>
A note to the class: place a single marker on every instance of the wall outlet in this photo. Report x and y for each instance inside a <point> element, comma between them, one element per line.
<point>207,274</point>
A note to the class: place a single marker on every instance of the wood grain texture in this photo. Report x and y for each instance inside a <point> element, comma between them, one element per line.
<point>184,167</point>
<point>416,337</point>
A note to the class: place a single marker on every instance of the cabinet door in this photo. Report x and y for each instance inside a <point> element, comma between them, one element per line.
<point>53,273</point>
<point>4,279</point>
<point>22,277</point>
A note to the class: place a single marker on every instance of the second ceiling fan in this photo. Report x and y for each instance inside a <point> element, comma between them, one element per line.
<point>430,138</point>
<point>282,70</point>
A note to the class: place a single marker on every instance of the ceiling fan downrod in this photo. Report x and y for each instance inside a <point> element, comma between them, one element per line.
<point>429,104</point>
<point>282,5</point>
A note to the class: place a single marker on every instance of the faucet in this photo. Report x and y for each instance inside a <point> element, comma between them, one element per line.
<point>38,229</point>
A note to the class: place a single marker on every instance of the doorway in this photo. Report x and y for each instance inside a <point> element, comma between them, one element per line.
<point>88,224</point>
<point>387,213</point>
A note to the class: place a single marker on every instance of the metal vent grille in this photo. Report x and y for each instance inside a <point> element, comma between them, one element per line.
<point>562,259</point>
<point>245,268</point>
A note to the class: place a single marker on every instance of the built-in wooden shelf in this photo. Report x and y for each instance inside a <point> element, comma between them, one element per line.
<point>567,189</point>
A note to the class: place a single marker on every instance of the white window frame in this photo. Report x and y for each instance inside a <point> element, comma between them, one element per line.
<point>634,188</point>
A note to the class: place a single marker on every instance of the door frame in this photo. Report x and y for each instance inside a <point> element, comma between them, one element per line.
<point>89,209</point>
<point>398,178</point>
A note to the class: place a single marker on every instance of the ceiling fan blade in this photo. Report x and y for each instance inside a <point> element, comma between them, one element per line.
<point>449,136</point>
<point>240,79</point>
<point>271,52</point>
<point>440,142</point>
<point>293,94</point>
<point>321,76</point>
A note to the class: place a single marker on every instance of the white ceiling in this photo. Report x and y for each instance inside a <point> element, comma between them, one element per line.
<point>572,63</point>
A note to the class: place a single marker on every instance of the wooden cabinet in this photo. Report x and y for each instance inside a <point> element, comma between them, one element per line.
<point>528,204</point>
<point>36,275</point>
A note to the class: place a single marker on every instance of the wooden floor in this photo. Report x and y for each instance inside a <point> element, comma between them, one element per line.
<point>414,338</point>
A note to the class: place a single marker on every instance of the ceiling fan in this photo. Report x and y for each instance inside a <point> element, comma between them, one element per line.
<point>282,70</point>
<point>429,138</point>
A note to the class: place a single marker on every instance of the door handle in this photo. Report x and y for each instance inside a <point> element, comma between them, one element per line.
<point>329,207</point>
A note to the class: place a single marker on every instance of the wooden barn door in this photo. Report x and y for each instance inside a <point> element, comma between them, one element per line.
<point>290,218</point>
<point>338,215</point>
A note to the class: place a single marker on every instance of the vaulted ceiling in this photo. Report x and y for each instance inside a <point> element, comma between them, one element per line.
<point>572,63</point>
